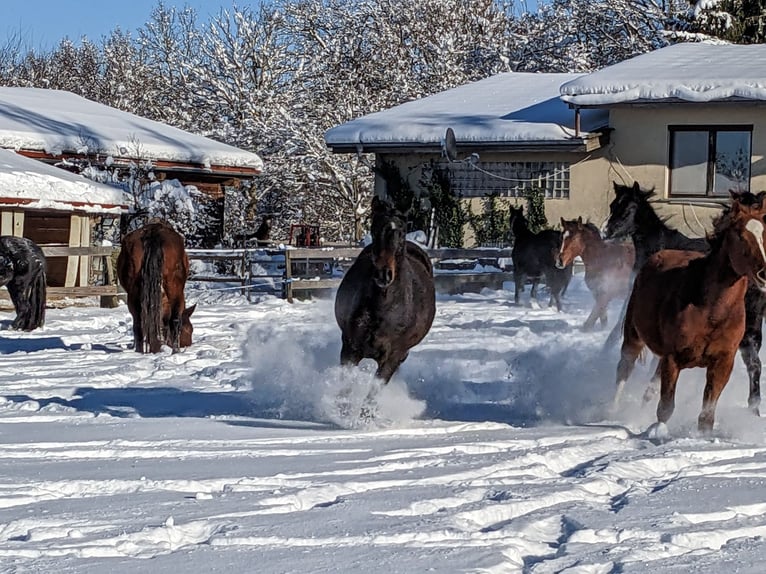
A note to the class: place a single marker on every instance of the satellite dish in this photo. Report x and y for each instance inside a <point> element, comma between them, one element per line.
<point>450,145</point>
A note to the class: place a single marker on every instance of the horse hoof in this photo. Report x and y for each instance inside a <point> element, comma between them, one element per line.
<point>658,432</point>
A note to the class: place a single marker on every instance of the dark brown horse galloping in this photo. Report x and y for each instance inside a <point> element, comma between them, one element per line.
<point>386,302</point>
<point>608,266</point>
<point>23,272</point>
<point>152,268</point>
<point>689,307</point>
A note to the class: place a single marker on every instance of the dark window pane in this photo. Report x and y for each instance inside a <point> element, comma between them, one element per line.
<point>732,162</point>
<point>689,163</point>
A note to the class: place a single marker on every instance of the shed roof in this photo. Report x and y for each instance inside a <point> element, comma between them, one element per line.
<point>34,184</point>
<point>692,72</point>
<point>506,110</point>
<point>56,122</point>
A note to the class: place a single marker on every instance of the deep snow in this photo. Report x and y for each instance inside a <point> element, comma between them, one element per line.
<point>492,451</point>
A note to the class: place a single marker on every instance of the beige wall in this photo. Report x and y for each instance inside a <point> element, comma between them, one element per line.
<point>640,144</point>
<point>589,194</point>
<point>637,151</point>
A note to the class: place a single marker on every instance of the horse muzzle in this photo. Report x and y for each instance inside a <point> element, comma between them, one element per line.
<point>559,263</point>
<point>384,277</point>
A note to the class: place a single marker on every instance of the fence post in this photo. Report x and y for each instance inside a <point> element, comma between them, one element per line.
<point>288,281</point>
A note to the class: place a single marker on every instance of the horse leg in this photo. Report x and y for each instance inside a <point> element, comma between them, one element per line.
<point>598,312</point>
<point>134,306</point>
<point>20,304</point>
<point>654,383</point>
<point>750,345</point>
<point>388,366</point>
<point>518,281</point>
<point>717,376</point>
<point>632,346</point>
<point>348,354</point>
<point>669,372</point>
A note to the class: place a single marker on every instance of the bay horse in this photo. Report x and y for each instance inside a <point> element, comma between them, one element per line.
<point>688,307</point>
<point>23,271</point>
<point>631,214</point>
<point>386,301</point>
<point>534,257</point>
<point>152,268</point>
<point>608,266</point>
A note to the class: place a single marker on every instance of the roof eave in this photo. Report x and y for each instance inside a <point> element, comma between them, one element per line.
<point>649,103</point>
<point>222,170</point>
<point>587,143</point>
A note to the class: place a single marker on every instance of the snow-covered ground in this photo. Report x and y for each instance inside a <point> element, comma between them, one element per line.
<point>492,450</point>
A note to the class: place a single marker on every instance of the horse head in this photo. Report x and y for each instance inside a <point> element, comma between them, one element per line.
<point>516,221</point>
<point>388,241</point>
<point>572,242</point>
<point>187,329</point>
<point>622,211</point>
<point>744,225</point>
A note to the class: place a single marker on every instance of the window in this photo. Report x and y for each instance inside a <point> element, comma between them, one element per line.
<point>510,179</point>
<point>709,161</point>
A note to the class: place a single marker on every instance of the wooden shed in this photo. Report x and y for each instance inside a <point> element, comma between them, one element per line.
<point>54,126</point>
<point>59,211</point>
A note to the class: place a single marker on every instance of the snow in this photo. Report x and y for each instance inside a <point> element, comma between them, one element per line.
<point>506,108</point>
<point>57,121</point>
<point>692,72</point>
<point>39,185</point>
<point>491,452</point>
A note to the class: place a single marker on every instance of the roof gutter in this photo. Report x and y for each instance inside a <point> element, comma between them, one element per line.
<point>580,144</point>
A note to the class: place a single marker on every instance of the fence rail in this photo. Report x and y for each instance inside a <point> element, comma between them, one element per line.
<point>298,270</point>
<point>286,271</point>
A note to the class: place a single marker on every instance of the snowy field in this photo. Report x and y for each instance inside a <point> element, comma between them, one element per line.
<point>492,450</point>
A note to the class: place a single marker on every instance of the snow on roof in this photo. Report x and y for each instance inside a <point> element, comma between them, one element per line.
<point>504,109</point>
<point>57,121</point>
<point>693,72</point>
<point>39,185</point>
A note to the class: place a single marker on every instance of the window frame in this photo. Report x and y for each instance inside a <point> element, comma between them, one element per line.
<point>712,132</point>
<point>554,175</point>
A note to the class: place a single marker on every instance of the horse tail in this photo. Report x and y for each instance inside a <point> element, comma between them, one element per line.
<point>38,294</point>
<point>151,290</point>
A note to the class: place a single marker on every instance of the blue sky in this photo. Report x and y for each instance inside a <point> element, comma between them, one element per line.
<point>43,23</point>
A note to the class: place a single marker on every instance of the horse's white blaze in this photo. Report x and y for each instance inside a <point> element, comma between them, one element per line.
<point>563,239</point>
<point>393,224</point>
<point>755,227</point>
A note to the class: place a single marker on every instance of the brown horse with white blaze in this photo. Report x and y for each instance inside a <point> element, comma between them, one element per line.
<point>152,268</point>
<point>608,266</point>
<point>689,307</point>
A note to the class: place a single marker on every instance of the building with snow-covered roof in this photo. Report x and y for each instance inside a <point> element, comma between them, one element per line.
<point>512,132</point>
<point>56,209</point>
<point>688,120</point>
<point>57,126</point>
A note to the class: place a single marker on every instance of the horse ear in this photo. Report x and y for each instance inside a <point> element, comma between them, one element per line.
<point>636,187</point>
<point>579,221</point>
<point>189,310</point>
<point>617,186</point>
<point>563,222</point>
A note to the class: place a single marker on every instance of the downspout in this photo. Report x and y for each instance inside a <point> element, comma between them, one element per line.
<point>577,122</point>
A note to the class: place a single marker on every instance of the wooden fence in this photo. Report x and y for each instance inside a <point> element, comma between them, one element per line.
<point>305,270</point>
<point>288,272</point>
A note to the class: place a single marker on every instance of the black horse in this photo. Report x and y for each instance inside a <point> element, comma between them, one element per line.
<point>262,235</point>
<point>631,214</point>
<point>534,257</point>
<point>24,272</point>
<point>386,301</point>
